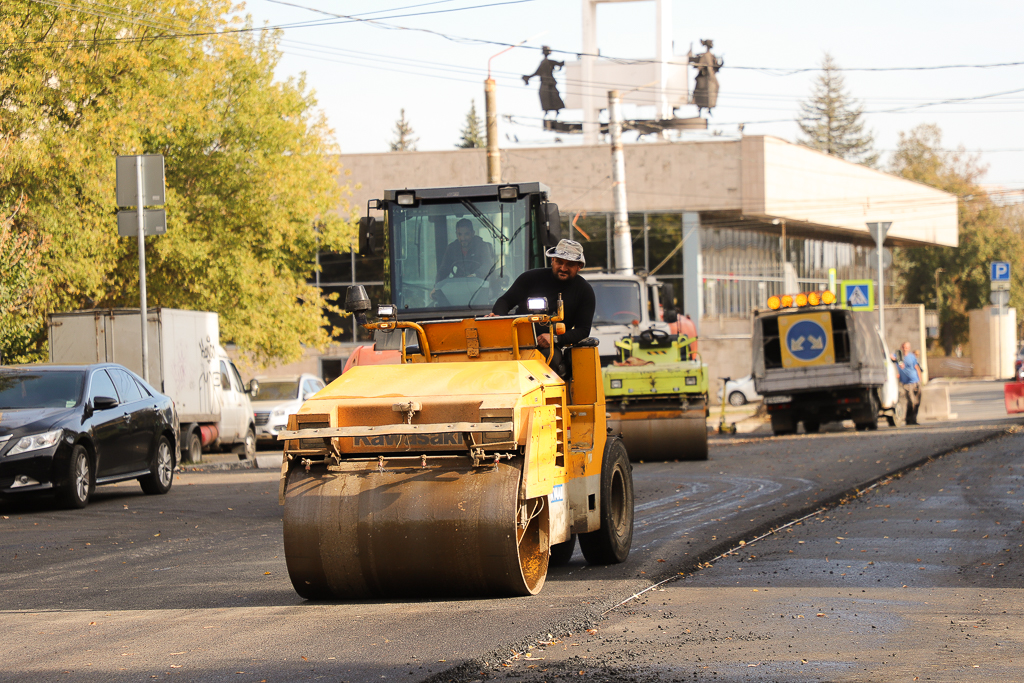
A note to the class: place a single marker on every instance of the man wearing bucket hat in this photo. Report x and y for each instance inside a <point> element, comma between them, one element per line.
<point>562,278</point>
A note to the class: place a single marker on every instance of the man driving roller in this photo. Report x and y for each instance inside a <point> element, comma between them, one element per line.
<point>562,278</point>
<point>467,256</point>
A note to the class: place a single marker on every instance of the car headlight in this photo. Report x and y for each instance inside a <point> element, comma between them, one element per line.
<point>36,441</point>
<point>279,412</point>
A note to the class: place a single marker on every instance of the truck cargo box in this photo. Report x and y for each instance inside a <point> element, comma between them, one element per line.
<point>183,350</point>
<point>858,355</point>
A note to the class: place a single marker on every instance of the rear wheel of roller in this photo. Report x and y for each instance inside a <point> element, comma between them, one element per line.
<point>611,543</point>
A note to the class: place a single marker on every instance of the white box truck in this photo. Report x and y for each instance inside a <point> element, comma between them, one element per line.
<point>186,362</point>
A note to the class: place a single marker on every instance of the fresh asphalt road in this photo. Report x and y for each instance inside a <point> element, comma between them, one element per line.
<point>193,585</point>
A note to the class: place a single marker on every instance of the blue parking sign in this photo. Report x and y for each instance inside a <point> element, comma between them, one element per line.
<point>1000,271</point>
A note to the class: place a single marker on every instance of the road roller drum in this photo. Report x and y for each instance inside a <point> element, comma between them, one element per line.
<point>447,528</point>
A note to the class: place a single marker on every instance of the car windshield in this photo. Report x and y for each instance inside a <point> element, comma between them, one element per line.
<point>617,302</point>
<point>40,389</point>
<point>277,391</point>
<point>457,255</point>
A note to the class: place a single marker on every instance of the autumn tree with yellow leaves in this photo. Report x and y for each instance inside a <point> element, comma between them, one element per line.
<point>251,167</point>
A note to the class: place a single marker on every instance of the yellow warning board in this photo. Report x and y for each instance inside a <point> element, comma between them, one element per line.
<point>806,339</point>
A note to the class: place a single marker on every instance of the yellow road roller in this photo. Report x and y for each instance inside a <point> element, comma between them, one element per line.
<point>469,466</point>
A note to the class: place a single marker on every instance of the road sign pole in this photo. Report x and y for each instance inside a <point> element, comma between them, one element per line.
<point>142,268</point>
<point>879,230</point>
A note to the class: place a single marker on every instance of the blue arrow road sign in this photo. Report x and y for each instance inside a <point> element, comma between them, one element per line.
<point>1000,271</point>
<point>806,340</point>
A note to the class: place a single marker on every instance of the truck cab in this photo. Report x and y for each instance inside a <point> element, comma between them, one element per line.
<point>628,305</point>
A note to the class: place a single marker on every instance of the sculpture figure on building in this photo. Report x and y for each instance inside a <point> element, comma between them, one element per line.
<point>705,90</point>
<point>550,100</point>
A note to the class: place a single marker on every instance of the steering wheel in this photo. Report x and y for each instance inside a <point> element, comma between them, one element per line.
<point>654,335</point>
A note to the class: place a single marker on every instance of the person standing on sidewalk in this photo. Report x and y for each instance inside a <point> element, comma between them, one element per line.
<point>910,382</point>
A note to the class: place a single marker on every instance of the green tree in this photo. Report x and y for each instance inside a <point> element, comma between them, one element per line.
<point>404,140</point>
<point>987,231</point>
<point>472,137</point>
<point>250,165</point>
<point>831,121</point>
<point>21,280</point>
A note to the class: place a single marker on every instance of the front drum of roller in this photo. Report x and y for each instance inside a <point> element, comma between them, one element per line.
<point>654,439</point>
<point>448,529</point>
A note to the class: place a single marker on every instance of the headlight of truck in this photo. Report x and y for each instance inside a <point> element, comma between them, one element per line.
<point>36,442</point>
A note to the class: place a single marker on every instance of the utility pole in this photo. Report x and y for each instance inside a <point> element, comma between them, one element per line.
<point>622,235</point>
<point>491,114</point>
<point>491,106</point>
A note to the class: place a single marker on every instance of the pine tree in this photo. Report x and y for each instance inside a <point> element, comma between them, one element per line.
<point>472,138</point>
<point>831,120</point>
<point>404,140</point>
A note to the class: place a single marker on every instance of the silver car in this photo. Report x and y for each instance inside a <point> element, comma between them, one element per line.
<point>279,397</point>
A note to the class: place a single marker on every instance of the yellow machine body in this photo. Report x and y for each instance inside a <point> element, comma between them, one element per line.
<point>451,473</point>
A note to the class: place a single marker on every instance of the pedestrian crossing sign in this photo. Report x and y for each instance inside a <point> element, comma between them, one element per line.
<point>806,339</point>
<point>857,295</point>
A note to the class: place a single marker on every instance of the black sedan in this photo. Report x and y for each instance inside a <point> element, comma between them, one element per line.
<point>68,428</point>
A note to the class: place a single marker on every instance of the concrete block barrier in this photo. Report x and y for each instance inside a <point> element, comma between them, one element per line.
<point>935,403</point>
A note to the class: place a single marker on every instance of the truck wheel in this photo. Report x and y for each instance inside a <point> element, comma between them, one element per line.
<point>249,449</point>
<point>561,553</point>
<point>161,470</point>
<point>782,424</point>
<point>78,487</point>
<point>899,413</point>
<point>610,544</point>
<point>194,446</point>
<point>812,426</point>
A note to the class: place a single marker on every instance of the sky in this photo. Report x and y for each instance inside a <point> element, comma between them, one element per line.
<point>429,59</point>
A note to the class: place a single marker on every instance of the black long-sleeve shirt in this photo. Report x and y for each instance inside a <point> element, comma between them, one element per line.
<point>577,297</point>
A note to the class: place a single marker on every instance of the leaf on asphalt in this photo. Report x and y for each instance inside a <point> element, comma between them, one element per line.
<point>264,573</point>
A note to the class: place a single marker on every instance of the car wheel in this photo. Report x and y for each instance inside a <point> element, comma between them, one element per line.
<point>611,543</point>
<point>249,451</point>
<point>161,470</point>
<point>194,446</point>
<point>812,426</point>
<point>79,486</point>
<point>737,398</point>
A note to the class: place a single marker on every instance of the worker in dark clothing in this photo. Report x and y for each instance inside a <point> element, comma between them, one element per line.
<point>467,256</point>
<point>562,278</point>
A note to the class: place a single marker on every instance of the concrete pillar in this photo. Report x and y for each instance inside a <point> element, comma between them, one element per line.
<point>693,271</point>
